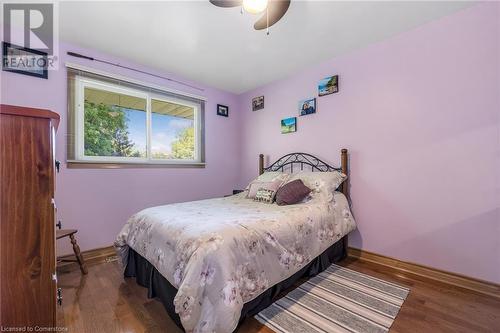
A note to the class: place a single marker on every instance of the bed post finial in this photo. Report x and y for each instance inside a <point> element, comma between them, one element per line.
<point>345,170</point>
<point>261,164</point>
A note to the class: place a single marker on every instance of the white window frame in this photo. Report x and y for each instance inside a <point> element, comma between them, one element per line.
<point>83,82</point>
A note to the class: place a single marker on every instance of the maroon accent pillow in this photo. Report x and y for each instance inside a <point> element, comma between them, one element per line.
<point>292,193</point>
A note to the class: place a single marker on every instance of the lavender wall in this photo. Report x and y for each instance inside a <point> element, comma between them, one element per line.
<point>420,115</point>
<point>98,202</point>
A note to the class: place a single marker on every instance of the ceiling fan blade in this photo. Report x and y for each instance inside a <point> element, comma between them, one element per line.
<point>276,8</point>
<point>226,3</point>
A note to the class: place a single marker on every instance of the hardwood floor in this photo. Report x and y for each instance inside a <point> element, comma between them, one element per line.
<point>103,301</point>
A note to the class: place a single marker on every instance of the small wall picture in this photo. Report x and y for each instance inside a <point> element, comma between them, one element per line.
<point>257,103</point>
<point>328,85</point>
<point>307,106</point>
<point>288,125</point>
<point>222,110</point>
<point>22,60</point>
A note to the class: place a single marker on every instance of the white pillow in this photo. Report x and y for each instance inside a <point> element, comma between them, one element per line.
<point>322,184</point>
<point>270,176</point>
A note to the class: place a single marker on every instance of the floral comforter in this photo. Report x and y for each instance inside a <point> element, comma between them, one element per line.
<point>221,253</point>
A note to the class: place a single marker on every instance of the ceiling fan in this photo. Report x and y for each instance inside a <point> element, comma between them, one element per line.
<point>274,10</point>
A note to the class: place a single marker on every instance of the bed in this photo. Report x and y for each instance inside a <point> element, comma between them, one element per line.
<point>212,275</point>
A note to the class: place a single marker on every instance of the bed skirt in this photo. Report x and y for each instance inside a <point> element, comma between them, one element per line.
<point>148,276</point>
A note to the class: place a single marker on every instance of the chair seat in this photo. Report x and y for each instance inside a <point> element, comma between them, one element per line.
<point>65,232</point>
<point>78,255</point>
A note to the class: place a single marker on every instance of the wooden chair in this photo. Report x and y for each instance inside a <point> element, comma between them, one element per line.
<point>79,258</point>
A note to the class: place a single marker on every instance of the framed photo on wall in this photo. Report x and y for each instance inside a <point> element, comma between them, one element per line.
<point>222,110</point>
<point>288,125</point>
<point>18,59</point>
<point>257,103</point>
<point>307,106</point>
<point>329,85</point>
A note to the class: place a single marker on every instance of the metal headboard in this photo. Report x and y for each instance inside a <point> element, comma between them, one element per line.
<point>309,161</point>
<point>300,159</point>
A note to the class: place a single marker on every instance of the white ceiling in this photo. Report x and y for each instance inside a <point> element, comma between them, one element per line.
<point>220,48</point>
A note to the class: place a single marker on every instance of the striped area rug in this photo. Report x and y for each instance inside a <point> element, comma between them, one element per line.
<point>336,300</point>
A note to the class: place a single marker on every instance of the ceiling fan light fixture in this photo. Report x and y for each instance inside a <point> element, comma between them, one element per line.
<point>255,6</point>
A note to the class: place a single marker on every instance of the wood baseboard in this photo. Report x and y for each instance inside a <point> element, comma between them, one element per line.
<point>100,255</point>
<point>457,280</point>
<point>94,256</point>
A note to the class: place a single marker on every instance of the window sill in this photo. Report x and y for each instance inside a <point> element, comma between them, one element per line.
<point>117,165</point>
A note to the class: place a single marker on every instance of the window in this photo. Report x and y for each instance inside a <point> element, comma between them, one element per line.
<point>168,117</point>
<point>121,124</point>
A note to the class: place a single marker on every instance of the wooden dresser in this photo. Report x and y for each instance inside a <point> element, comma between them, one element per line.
<point>27,217</point>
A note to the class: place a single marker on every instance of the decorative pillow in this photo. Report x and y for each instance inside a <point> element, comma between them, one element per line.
<point>255,186</point>
<point>270,177</point>
<point>266,196</point>
<point>322,184</point>
<point>292,193</point>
